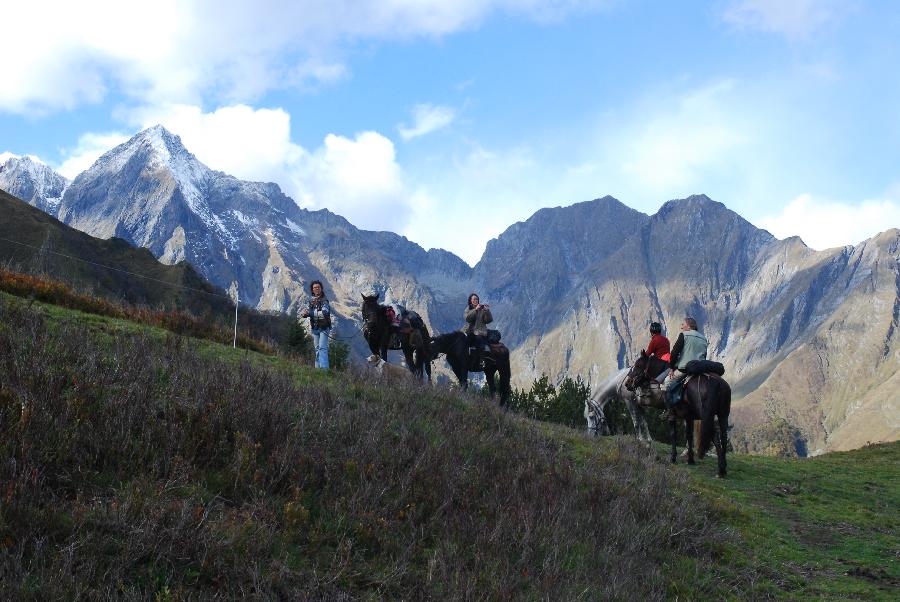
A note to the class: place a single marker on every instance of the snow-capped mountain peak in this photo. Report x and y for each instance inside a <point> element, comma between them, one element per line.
<point>32,180</point>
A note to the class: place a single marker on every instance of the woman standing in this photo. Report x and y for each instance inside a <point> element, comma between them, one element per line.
<point>319,314</point>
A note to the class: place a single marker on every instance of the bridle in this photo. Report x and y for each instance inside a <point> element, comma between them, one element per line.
<point>631,383</point>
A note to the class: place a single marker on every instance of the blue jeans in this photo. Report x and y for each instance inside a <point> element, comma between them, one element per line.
<point>675,389</point>
<point>320,341</point>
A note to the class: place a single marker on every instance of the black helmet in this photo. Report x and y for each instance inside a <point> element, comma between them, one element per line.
<point>655,328</point>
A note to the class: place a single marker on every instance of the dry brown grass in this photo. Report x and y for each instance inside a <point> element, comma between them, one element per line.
<point>137,469</point>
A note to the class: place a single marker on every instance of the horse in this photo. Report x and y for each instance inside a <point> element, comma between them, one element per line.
<point>613,390</point>
<point>454,345</point>
<point>414,341</point>
<point>707,398</point>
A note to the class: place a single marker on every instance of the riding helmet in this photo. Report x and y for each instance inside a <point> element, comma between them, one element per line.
<point>655,328</point>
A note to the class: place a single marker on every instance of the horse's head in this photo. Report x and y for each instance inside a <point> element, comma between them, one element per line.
<point>370,307</point>
<point>596,418</point>
<point>443,343</point>
<point>637,375</point>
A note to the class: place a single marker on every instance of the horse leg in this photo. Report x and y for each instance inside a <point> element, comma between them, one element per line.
<point>689,435</point>
<point>411,362</point>
<point>673,433</point>
<point>722,445</point>
<point>505,375</point>
<point>492,386</point>
<point>639,418</point>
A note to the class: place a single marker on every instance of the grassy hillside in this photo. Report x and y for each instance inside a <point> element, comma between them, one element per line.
<point>26,230</point>
<point>32,241</point>
<point>139,464</point>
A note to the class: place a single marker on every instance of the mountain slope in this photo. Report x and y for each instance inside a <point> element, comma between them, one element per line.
<point>31,240</point>
<point>248,236</point>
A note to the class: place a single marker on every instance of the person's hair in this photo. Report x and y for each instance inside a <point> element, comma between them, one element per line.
<point>315,282</point>
<point>655,328</point>
<point>469,300</point>
<point>690,322</point>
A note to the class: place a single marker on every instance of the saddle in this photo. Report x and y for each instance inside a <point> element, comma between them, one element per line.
<point>477,361</point>
<point>652,396</point>
<point>409,321</point>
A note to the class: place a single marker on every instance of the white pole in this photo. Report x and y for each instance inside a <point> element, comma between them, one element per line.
<point>237,299</point>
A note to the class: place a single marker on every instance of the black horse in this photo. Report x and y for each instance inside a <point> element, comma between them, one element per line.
<point>707,398</point>
<point>414,341</point>
<point>454,345</point>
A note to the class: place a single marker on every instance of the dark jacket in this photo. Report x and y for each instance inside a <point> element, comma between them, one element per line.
<point>319,313</point>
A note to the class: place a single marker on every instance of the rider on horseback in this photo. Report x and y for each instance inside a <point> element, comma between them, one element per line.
<point>691,345</point>
<point>659,346</point>
<point>477,317</point>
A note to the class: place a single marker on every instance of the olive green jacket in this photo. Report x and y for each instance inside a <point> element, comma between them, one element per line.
<point>476,321</point>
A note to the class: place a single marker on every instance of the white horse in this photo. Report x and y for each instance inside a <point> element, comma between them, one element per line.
<point>614,389</point>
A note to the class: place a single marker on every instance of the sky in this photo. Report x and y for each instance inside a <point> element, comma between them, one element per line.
<point>448,121</point>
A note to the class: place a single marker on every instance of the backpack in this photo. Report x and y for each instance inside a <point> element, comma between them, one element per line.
<point>493,336</point>
<point>704,366</point>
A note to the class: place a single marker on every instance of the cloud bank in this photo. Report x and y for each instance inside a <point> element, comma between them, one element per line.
<point>824,224</point>
<point>196,51</point>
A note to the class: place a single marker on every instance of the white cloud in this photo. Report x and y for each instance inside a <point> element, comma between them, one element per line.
<point>469,200</point>
<point>795,19</point>
<point>671,148</point>
<point>825,224</point>
<point>427,118</point>
<point>171,51</point>
<point>357,178</point>
<point>89,148</point>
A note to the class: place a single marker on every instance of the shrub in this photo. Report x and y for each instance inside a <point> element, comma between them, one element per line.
<point>562,405</point>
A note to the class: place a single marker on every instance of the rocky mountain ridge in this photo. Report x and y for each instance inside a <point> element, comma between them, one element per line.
<point>572,288</point>
<point>33,182</point>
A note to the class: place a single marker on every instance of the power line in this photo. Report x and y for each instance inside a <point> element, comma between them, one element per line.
<point>44,250</point>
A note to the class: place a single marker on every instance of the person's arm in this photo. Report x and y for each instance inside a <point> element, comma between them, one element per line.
<point>676,351</point>
<point>487,317</point>
<point>470,315</point>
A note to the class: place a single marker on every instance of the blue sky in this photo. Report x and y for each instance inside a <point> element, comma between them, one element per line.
<point>448,121</point>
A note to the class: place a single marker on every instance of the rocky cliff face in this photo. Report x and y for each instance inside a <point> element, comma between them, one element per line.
<point>33,182</point>
<point>248,237</point>
<point>807,337</point>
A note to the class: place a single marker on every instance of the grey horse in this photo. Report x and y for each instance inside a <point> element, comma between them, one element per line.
<point>614,389</point>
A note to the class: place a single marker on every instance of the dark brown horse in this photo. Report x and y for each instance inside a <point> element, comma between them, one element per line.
<point>707,398</point>
<point>414,340</point>
<point>454,345</point>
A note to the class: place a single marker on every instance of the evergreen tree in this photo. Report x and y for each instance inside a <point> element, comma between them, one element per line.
<point>298,342</point>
